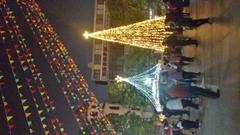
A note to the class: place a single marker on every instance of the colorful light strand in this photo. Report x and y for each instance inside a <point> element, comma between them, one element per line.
<point>73,84</point>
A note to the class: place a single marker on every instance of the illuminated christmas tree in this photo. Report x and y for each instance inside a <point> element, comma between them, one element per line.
<point>146,83</point>
<point>146,34</point>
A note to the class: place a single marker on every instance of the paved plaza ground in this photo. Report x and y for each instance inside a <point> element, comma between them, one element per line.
<point>219,58</point>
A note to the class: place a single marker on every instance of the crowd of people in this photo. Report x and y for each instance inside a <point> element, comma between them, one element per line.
<point>179,89</point>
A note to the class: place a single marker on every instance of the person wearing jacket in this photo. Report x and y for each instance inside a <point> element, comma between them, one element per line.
<point>180,104</point>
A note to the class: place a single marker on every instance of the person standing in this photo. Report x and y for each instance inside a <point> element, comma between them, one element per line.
<point>175,73</point>
<point>178,3</point>
<point>190,75</point>
<point>186,90</point>
<point>187,124</point>
<point>177,21</point>
<point>180,104</point>
<point>178,60</point>
<point>168,113</point>
<point>178,41</point>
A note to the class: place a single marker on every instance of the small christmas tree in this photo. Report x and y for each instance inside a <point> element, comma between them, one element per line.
<point>147,83</point>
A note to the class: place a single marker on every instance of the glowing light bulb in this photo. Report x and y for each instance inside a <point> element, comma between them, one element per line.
<point>86,34</point>
<point>119,79</point>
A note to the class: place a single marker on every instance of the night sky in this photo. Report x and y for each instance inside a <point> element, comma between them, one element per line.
<point>71,18</point>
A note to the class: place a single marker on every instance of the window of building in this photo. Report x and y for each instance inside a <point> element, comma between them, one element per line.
<point>104,73</point>
<point>104,54</point>
<point>98,48</point>
<point>98,42</point>
<point>105,58</point>
<point>99,19</point>
<point>100,1</point>
<point>96,74</point>
<point>97,59</point>
<point>105,49</point>
<point>114,107</point>
<point>104,69</point>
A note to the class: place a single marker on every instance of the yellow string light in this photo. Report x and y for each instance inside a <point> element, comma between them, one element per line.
<point>146,34</point>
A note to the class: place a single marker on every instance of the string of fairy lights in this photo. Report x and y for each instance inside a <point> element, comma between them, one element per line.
<point>147,34</point>
<point>42,91</point>
<point>37,106</point>
<point>73,84</point>
<point>12,61</point>
<point>7,109</point>
<point>147,84</point>
<point>26,82</point>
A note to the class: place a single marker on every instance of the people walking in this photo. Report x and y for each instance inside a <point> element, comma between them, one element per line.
<point>178,88</point>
